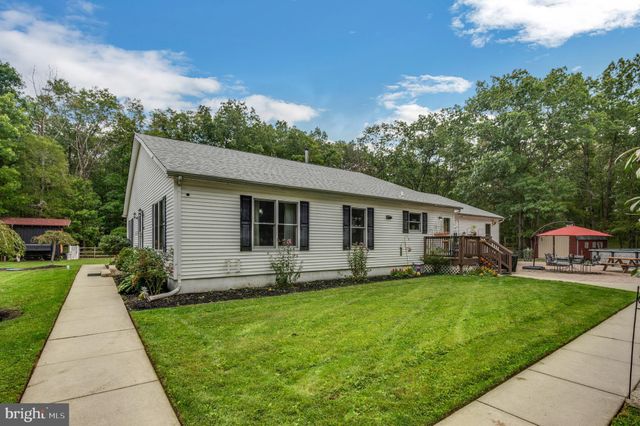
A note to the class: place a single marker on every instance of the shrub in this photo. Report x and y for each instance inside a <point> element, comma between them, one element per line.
<point>112,244</point>
<point>148,271</point>
<point>437,263</point>
<point>357,259</point>
<point>285,265</point>
<point>126,259</point>
<point>406,272</point>
<point>11,245</point>
<point>126,285</point>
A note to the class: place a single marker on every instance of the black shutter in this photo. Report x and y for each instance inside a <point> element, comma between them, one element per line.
<point>405,222</point>
<point>164,224</point>
<point>304,225</point>
<point>425,223</point>
<point>370,238</point>
<point>245,223</point>
<point>346,227</point>
<point>154,226</point>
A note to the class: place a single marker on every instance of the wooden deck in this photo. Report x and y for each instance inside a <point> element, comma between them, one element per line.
<point>470,250</point>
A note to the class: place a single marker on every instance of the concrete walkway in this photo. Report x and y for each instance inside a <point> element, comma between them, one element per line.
<point>583,383</point>
<point>95,361</point>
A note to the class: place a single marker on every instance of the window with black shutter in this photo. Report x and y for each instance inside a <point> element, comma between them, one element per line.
<point>405,222</point>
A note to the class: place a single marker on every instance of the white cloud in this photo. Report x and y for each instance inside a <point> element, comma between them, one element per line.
<point>548,23</point>
<point>159,78</point>
<point>81,6</point>
<point>270,109</point>
<point>401,97</point>
<point>409,112</point>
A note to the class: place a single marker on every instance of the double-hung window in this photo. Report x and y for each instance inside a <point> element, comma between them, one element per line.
<point>275,223</point>
<point>159,224</point>
<point>415,222</point>
<point>287,223</point>
<point>358,226</point>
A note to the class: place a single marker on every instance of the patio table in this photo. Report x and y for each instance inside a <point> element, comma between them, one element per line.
<point>625,263</point>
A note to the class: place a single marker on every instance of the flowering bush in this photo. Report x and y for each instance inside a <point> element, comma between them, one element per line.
<point>483,271</point>
<point>406,272</point>
<point>357,259</point>
<point>285,264</point>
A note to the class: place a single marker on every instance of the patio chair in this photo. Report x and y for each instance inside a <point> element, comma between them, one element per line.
<point>562,263</point>
<point>549,260</point>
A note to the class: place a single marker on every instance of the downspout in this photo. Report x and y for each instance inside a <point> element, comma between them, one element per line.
<point>177,228</point>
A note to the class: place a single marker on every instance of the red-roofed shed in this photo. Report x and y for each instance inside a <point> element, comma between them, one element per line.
<point>571,240</point>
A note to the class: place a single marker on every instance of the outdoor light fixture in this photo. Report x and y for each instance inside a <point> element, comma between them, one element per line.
<point>389,217</point>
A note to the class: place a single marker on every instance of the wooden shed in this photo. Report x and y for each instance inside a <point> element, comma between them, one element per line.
<point>570,240</point>
<point>29,227</point>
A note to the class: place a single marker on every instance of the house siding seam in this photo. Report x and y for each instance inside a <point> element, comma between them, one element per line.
<point>210,231</point>
<point>149,185</point>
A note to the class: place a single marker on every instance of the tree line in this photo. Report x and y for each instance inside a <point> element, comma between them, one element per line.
<point>532,149</point>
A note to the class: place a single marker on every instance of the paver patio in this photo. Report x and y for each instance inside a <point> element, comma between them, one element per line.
<point>613,278</point>
<point>95,361</point>
<point>583,383</point>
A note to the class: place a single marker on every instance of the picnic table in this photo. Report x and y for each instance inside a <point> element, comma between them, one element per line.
<point>625,263</point>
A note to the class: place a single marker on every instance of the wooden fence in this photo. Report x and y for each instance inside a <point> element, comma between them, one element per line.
<point>92,253</point>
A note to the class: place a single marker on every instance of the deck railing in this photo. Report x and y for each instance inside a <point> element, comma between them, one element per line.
<point>469,249</point>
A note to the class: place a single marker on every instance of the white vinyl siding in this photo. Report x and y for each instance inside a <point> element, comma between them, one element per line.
<point>150,185</point>
<point>470,224</point>
<point>211,230</point>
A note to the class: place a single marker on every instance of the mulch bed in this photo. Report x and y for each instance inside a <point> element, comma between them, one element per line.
<point>32,268</point>
<point>7,314</point>
<point>134,304</point>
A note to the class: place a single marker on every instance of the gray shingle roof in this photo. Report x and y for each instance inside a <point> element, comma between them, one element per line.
<point>474,211</point>
<point>191,159</point>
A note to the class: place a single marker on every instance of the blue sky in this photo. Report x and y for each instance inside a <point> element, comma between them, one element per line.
<point>338,65</point>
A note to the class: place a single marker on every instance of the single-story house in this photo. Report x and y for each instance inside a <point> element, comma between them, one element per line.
<point>29,227</point>
<point>570,240</point>
<point>222,213</point>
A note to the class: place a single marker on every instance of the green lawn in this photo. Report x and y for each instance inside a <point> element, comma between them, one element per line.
<point>397,352</point>
<point>629,416</point>
<point>39,295</point>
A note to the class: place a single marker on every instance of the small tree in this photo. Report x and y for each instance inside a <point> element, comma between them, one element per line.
<point>357,259</point>
<point>285,265</point>
<point>11,245</point>
<point>54,238</point>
